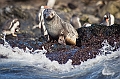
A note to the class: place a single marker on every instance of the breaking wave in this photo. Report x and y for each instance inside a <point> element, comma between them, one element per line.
<point>104,64</point>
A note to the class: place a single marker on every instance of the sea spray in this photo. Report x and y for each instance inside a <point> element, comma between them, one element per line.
<point>38,59</point>
<point>107,48</point>
<point>35,58</point>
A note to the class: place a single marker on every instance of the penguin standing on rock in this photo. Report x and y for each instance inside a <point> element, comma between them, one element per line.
<point>11,26</point>
<point>41,20</point>
<point>58,29</point>
<point>75,21</point>
<point>108,19</point>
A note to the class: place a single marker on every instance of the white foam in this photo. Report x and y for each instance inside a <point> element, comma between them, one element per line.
<point>38,59</point>
<point>107,71</point>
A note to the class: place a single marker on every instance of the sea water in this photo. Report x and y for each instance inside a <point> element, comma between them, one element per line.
<point>29,64</point>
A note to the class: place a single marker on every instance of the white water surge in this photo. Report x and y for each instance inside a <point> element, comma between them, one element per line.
<point>102,65</point>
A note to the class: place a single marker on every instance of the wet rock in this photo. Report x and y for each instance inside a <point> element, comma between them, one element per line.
<point>117,15</point>
<point>91,18</point>
<point>88,43</point>
<point>2,56</point>
<point>12,11</point>
<point>113,7</point>
<point>95,34</point>
<point>27,18</point>
<point>72,6</point>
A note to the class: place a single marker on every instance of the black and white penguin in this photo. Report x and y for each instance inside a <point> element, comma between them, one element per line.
<point>57,28</point>
<point>11,26</point>
<point>41,20</point>
<point>75,21</point>
<point>108,19</point>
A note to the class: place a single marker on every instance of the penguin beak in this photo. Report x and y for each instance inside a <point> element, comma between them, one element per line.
<point>16,30</point>
<point>107,20</point>
<point>49,16</point>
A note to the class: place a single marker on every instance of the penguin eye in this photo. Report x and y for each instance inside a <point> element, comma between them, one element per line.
<point>52,14</point>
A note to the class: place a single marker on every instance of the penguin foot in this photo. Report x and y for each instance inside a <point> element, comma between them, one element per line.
<point>71,41</point>
<point>14,34</point>
<point>61,40</point>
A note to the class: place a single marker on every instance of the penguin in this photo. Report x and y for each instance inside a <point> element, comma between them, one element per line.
<point>75,21</point>
<point>108,19</point>
<point>11,27</point>
<point>41,21</point>
<point>57,28</point>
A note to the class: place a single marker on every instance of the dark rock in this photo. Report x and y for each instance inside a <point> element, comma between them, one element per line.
<point>72,6</point>
<point>112,6</point>
<point>95,34</point>
<point>26,17</point>
<point>2,56</point>
<point>13,11</point>
<point>88,44</point>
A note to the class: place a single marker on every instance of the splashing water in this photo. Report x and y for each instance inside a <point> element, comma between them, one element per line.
<point>107,48</point>
<point>35,58</point>
<point>25,63</point>
<point>5,43</point>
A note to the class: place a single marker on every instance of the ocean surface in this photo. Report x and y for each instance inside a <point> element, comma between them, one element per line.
<point>31,64</point>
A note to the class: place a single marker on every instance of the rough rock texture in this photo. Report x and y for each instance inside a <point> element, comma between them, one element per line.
<point>90,38</point>
<point>113,7</point>
<point>87,47</point>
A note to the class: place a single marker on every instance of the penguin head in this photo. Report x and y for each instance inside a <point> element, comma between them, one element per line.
<point>107,17</point>
<point>49,14</point>
<point>75,21</point>
<point>75,17</point>
<point>16,25</point>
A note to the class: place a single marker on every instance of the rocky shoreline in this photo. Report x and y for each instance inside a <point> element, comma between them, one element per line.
<point>88,43</point>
